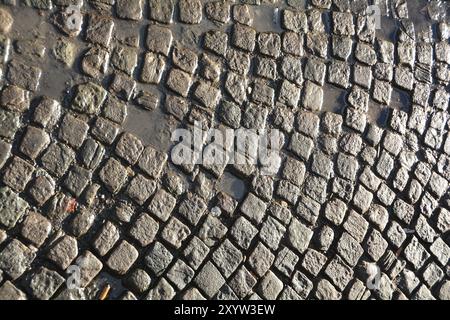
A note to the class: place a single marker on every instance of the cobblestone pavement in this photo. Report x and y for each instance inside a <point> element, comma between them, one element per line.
<point>90,198</point>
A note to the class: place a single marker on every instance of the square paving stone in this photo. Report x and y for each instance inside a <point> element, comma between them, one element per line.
<point>207,94</point>
<point>289,94</point>
<point>44,283</point>
<point>403,211</point>
<point>312,97</point>
<point>317,43</point>
<point>153,68</point>
<point>254,117</point>
<point>195,252</point>
<point>292,43</point>
<point>144,229</point>
<point>432,274</point>
<point>209,280</point>
<point>95,62</point>
<point>36,228</point>
<point>339,273</point>
<point>179,81</point>
<point>105,131</point>
<point>313,261</point>
<point>362,75</point>
<point>302,285</point>
<point>42,189</point>
<point>416,253</point>
<point>261,259</point>
<point>362,199</point>
<point>88,98</point>
<point>158,258</point>
<point>356,225</point>
<point>122,86</point>
<point>141,189</point>
<point>152,162</point>
<point>9,123</point>
<point>162,204</point>
<point>322,165</point>
<point>193,208</point>
<point>404,77</point>
<point>15,99</point>
<point>441,251</point>
<point>23,75</point>
<point>125,59</point>
<point>376,245</point>
<point>122,258</point>
<point>269,44</point>
<point>212,231</point>
<point>129,9</point>
<point>315,70</point>
<point>162,291</point>
<point>291,68</point>
<point>175,232</point>
<point>8,291</point>
<point>263,93</point>
<point>254,208</point>
<point>18,174</point>
<point>227,258</point>
<point>91,154</point>
<point>90,267</point>
<point>341,47</point>
<point>242,282</point>
<point>266,68</point>
<point>244,37</point>
<point>100,30</point>
<point>301,146</point>
<point>15,259</point>
<point>63,252</point>
<point>295,20</point>
<point>77,180</point>
<point>129,148</point>
<point>180,274</point>
<point>190,11</point>
<point>316,188</point>
<point>73,131</point>
<point>243,232</point>
<point>270,286</point>
<point>184,58</point>
<point>286,261</point>
<point>240,61</point>
<point>114,175</point>
<point>272,232</point>
<point>159,39</point>
<point>299,235</point>
<point>161,10</point>
<point>216,41</point>
<point>34,142</point>
<point>288,191</point>
<point>395,234</point>
<point>236,86</point>
<point>335,211</point>
<point>343,24</point>
<point>339,74</point>
<point>47,113</point>
<point>218,11</point>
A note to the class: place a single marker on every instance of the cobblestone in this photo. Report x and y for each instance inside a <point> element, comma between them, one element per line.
<point>88,179</point>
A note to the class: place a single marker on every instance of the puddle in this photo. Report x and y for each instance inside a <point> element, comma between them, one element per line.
<point>153,127</point>
<point>388,29</point>
<point>400,100</point>
<point>333,99</point>
<point>56,77</point>
<point>266,18</point>
<point>377,114</point>
<point>232,186</point>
